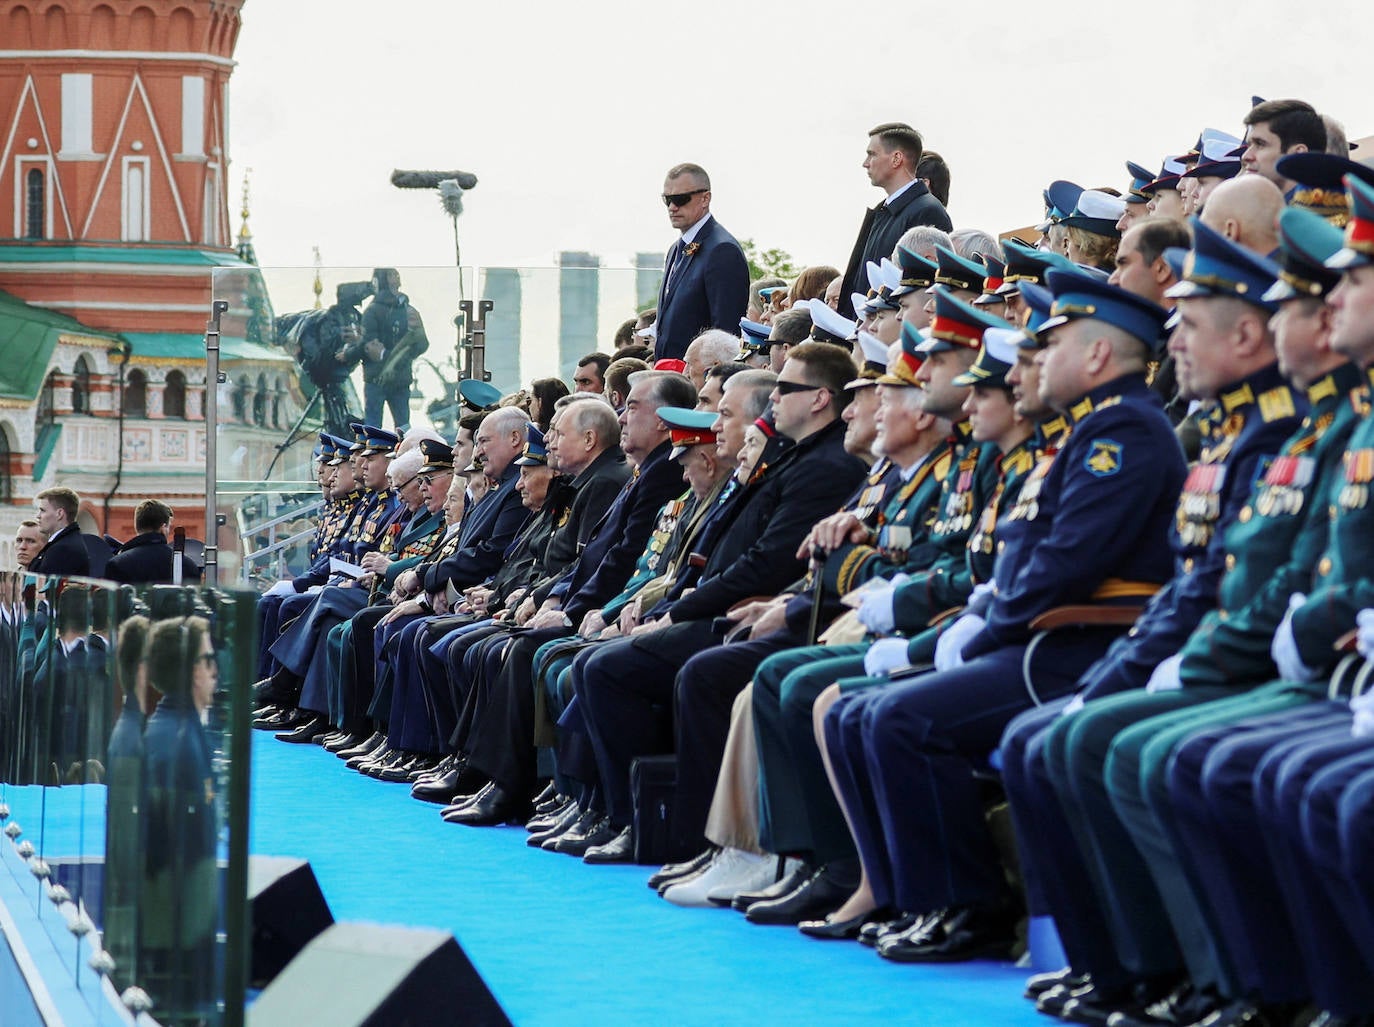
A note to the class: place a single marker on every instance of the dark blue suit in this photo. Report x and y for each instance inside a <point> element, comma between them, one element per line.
<point>625,687</point>
<point>707,287</point>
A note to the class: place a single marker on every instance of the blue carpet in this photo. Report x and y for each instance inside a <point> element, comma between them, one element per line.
<point>561,942</point>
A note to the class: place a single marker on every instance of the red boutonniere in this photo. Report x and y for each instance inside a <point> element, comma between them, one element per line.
<point>692,248</point>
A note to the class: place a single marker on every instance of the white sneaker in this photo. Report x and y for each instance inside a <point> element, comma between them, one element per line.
<point>758,872</point>
<point>732,869</point>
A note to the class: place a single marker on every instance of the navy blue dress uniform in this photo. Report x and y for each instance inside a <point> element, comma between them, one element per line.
<point>1094,531</point>
<point>366,516</point>
<point>705,285</point>
<point>797,812</point>
<point>883,225</point>
<point>1243,433</point>
<point>626,687</point>
<point>488,530</point>
<point>502,741</point>
<point>1212,772</point>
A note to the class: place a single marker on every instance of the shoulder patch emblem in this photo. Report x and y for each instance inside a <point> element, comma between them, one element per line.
<point>1104,458</point>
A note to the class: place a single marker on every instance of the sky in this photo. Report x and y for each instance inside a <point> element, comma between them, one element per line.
<point>570,114</point>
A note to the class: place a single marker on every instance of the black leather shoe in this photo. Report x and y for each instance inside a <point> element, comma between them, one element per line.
<point>399,771</point>
<point>344,741</point>
<point>871,934</point>
<point>547,799</point>
<point>1038,984</point>
<point>785,885</point>
<point>464,801</point>
<point>1053,1000</point>
<point>620,849</point>
<point>1182,1005</point>
<point>440,788</point>
<point>442,765</point>
<point>576,843</point>
<point>1248,1013</point>
<point>281,719</point>
<point>1097,1005</point>
<point>585,820</point>
<point>558,826</point>
<point>831,929</point>
<point>818,896</point>
<point>962,934</point>
<point>541,822</point>
<point>673,871</point>
<point>392,758</point>
<point>365,747</point>
<point>307,731</point>
<point>374,754</point>
<point>495,807</point>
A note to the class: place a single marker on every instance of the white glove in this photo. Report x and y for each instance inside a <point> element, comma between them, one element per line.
<point>885,656</point>
<point>949,647</point>
<point>282,588</point>
<point>1284,649</point>
<point>1363,707</point>
<point>1075,704</point>
<point>1364,640</point>
<point>1165,678</point>
<point>875,604</point>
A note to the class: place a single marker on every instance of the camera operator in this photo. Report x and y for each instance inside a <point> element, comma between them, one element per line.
<point>327,344</point>
<point>393,336</point>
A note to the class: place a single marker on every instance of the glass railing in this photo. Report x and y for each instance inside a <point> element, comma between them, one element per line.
<point>288,370</point>
<point>124,758</point>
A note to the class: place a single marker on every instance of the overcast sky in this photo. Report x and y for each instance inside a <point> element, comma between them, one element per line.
<point>569,114</point>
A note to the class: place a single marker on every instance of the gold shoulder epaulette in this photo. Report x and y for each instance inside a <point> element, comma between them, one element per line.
<point>1277,403</point>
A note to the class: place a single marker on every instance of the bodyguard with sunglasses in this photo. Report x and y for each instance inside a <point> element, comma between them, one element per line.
<point>705,276</point>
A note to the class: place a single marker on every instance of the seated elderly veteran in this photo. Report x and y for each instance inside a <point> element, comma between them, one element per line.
<point>489,527</point>
<point>583,447</point>
<point>932,551</point>
<point>1090,526</point>
<point>411,747</point>
<point>342,496</point>
<point>694,447</point>
<point>599,572</point>
<point>1201,752</point>
<point>302,648</point>
<point>576,759</point>
<point>502,681</point>
<point>1110,904</point>
<point>352,680</point>
<point>750,549</point>
<point>379,506</point>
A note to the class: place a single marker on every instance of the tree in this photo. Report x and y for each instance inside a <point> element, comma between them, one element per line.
<point>768,263</point>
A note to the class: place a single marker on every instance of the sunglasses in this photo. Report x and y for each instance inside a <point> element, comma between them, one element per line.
<point>788,388</point>
<point>680,199</point>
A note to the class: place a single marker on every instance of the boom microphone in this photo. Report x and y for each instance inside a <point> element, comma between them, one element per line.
<point>431,179</point>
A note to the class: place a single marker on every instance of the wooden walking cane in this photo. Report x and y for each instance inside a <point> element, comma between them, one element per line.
<point>817,590</point>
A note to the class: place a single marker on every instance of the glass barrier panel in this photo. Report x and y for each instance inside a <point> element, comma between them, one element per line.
<point>124,725</point>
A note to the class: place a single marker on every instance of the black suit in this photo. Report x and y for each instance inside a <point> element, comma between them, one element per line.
<point>65,553</point>
<point>706,288</point>
<point>883,226</point>
<point>147,558</point>
<point>625,688</point>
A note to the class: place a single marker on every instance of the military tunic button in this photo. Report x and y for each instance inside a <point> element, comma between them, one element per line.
<point>1324,568</point>
<point>1230,561</point>
<point>1245,514</point>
